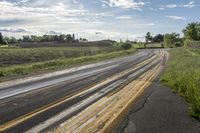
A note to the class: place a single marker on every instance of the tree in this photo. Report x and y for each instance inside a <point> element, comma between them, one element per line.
<point>6,40</point>
<point>192,31</point>
<point>26,39</point>
<point>35,38</point>
<point>56,38</point>
<point>68,38</point>
<point>171,40</point>
<point>148,38</point>
<point>126,46</point>
<point>51,38</point>
<point>62,38</point>
<point>73,38</point>
<point>158,38</point>
<point>44,38</point>
<point>1,38</point>
<point>85,40</point>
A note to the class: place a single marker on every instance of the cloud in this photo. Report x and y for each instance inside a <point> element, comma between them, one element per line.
<point>161,8</point>
<point>124,17</point>
<point>125,4</point>
<point>87,19</point>
<point>176,17</point>
<point>27,11</point>
<point>43,16</point>
<point>191,4</point>
<point>146,24</point>
<point>53,33</point>
<point>171,6</point>
<point>10,30</point>
<point>47,15</point>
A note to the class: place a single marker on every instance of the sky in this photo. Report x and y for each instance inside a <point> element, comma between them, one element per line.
<point>97,19</point>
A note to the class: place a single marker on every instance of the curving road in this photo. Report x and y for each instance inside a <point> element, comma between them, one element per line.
<point>37,104</point>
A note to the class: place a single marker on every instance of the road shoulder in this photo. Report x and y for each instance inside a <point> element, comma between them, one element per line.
<point>158,110</point>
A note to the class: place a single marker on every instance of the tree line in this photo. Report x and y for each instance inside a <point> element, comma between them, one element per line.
<point>151,39</point>
<point>44,38</point>
<point>169,40</point>
<point>191,33</point>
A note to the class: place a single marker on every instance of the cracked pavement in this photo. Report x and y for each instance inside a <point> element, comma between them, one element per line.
<point>158,110</point>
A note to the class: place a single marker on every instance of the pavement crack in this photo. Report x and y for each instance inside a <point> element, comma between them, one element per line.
<point>143,104</point>
<point>127,120</point>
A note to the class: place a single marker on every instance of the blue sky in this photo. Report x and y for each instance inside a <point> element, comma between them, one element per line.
<point>97,19</point>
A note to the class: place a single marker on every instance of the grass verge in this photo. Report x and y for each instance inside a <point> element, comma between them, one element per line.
<point>183,76</point>
<point>25,69</point>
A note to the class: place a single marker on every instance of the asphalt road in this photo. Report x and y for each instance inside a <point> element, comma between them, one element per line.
<point>25,103</point>
<point>158,110</point>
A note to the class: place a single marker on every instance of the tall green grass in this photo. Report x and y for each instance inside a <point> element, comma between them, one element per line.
<point>183,75</point>
<point>24,69</point>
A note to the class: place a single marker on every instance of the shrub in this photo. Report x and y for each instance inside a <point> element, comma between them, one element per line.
<point>126,46</point>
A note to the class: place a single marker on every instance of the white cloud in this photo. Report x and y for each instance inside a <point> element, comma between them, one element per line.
<point>14,30</point>
<point>57,13</point>
<point>124,17</point>
<point>126,4</point>
<point>161,8</point>
<point>176,17</point>
<point>39,17</point>
<point>171,6</point>
<point>149,24</point>
<point>24,1</point>
<point>26,11</point>
<point>191,4</point>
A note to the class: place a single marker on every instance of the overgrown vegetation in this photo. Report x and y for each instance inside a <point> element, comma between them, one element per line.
<point>126,46</point>
<point>192,31</point>
<point>172,40</point>
<point>16,70</point>
<point>183,70</point>
<point>183,75</point>
<point>192,34</point>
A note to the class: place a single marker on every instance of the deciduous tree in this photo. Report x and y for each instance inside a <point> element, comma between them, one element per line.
<point>1,38</point>
<point>149,38</point>
<point>192,31</point>
<point>171,40</point>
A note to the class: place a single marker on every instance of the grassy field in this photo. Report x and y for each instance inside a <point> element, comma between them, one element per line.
<point>61,63</point>
<point>13,56</point>
<point>183,75</point>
